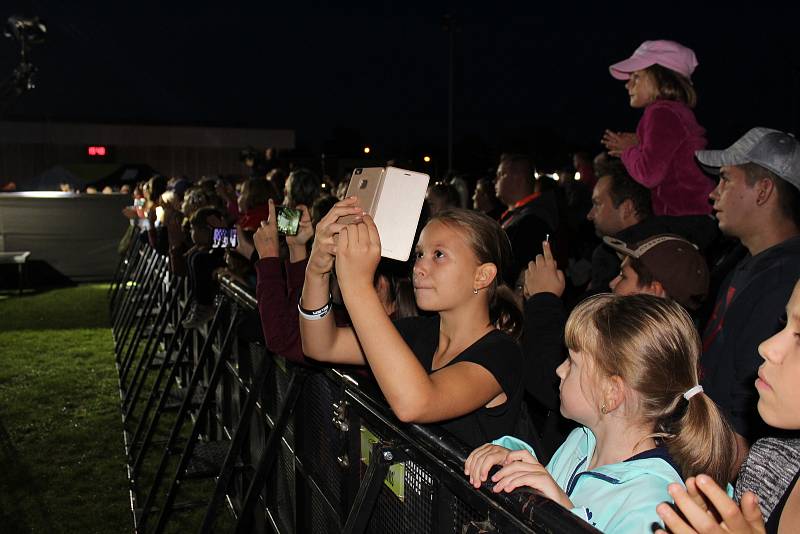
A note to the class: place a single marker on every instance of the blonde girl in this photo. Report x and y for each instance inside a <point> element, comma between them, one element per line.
<point>631,381</point>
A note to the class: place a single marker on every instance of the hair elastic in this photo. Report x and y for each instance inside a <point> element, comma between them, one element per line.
<point>692,392</point>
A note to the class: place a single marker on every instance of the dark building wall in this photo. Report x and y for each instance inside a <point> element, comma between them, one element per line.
<point>28,149</point>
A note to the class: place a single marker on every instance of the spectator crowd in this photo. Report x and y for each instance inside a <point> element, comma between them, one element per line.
<point>623,336</point>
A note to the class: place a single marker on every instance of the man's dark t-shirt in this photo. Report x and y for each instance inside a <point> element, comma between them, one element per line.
<point>749,306</point>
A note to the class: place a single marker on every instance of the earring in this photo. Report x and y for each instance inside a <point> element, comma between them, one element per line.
<point>603,409</point>
<point>475,290</point>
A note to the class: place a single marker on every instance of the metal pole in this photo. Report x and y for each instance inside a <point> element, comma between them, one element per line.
<point>795,106</point>
<point>451,30</point>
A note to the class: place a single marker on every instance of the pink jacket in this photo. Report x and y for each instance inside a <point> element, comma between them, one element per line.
<point>663,161</point>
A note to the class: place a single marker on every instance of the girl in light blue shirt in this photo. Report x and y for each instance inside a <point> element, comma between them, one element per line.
<point>631,381</point>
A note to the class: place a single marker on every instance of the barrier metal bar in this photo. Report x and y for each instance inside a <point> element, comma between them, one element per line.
<point>194,434</point>
<point>140,292</point>
<point>122,275</point>
<point>162,368</point>
<point>138,458</point>
<point>131,294</point>
<point>383,456</point>
<point>154,300</point>
<point>237,442</point>
<point>268,456</point>
<point>142,324</point>
<point>183,413</point>
<point>150,351</point>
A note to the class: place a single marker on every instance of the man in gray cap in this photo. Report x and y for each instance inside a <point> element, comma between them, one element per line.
<point>757,201</point>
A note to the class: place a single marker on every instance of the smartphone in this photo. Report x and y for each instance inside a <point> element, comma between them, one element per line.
<point>138,205</point>
<point>394,198</point>
<point>225,238</point>
<point>365,184</point>
<point>288,220</point>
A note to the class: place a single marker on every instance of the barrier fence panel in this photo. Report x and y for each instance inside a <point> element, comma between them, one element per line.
<point>253,443</point>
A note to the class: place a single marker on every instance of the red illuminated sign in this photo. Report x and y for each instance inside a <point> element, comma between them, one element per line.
<point>96,151</point>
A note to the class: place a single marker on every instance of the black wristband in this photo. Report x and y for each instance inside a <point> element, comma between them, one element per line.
<point>315,315</point>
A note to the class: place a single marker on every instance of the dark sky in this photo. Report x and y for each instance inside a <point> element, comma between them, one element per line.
<point>527,76</point>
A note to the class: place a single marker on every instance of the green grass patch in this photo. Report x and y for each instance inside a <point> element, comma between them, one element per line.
<point>61,454</point>
<point>85,306</point>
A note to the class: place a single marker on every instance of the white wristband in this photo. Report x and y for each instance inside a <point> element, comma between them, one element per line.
<point>315,315</point>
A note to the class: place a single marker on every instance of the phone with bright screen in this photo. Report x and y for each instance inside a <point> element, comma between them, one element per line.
<point>225,238</point>
<point>288,220</point>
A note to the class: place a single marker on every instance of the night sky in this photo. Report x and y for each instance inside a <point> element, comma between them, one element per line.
<point>532,76</point>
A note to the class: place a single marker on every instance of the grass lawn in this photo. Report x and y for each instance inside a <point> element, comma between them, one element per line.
<point>62,466</point>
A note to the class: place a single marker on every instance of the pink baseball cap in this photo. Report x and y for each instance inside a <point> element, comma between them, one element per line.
<point>669,54</point>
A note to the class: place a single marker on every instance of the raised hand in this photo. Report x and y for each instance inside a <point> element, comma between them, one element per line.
<point>266,237</point>
<point>323,251</point>
<point>617,142</point>
<point>297,242</point>
<point>543,274</point>
<point>358,255</point>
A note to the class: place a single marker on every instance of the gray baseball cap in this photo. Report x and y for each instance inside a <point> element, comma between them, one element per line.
<point>774,150</point>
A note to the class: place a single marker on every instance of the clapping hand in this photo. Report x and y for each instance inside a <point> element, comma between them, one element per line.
<point>617,142</point>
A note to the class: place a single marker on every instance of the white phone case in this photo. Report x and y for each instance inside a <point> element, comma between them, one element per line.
<point>395,207</point>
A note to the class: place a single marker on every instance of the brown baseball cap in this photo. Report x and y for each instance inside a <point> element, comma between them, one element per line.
<point>675,262</point>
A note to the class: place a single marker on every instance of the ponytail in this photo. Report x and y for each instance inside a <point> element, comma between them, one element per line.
<point>702,440</point>
<point>652,344</point>
<point>505,313</point>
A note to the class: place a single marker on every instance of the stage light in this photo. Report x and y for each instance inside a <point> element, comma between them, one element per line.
<point>426,159</point>
<point>366,150</point>
<point>577,177</point>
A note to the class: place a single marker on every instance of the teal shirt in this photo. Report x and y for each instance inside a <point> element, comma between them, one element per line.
<point>617,498</point>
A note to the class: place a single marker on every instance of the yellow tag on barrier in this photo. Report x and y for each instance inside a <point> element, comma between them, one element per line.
<point>395,478</point>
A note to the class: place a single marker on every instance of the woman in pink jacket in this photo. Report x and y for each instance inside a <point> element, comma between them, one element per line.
<point>660,155</point>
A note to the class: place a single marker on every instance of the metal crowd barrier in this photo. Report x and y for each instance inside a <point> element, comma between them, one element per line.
<point>223,436</point>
